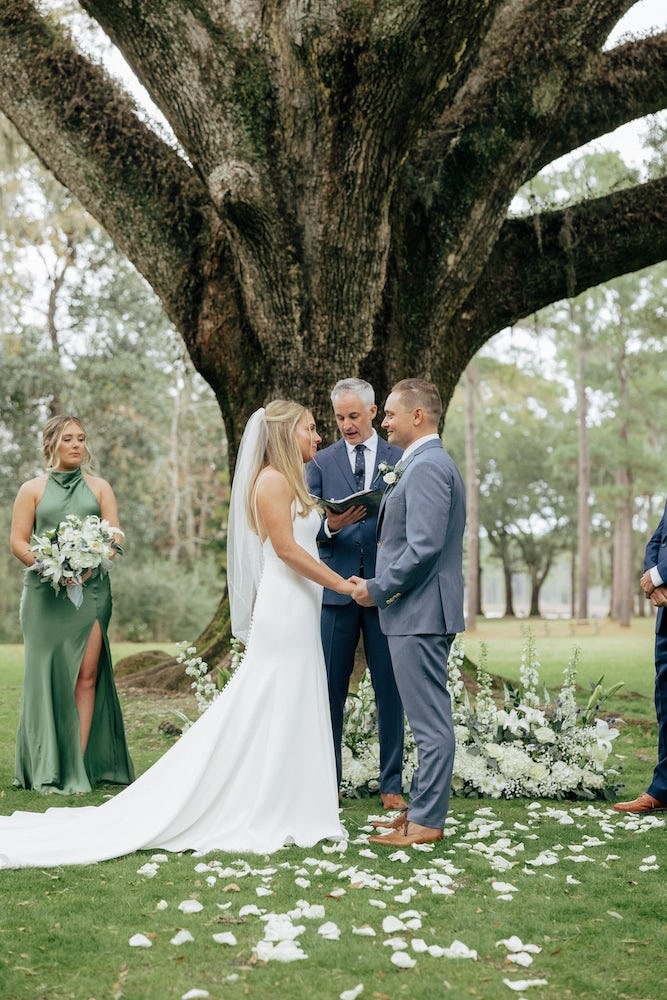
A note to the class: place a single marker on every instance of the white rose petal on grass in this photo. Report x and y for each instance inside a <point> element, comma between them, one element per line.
<point>330,931</point>
<point>150,869</point>
<point>379,903</point>
<point>352,994</point>
<point>337,892</point>
<point>279,927</point>
<point>520,958</point>
<point>419,945</point>
<point>515,944</point>
<point>403,960</point>
<point>190,906</point>
<point>614,914</point>
<point>303,883</point>
<point>650,860</point>
<point>263,890</point>
<point>182,937</point>
<point>195,995</point>
<point>140,941</point>
<point>400,856</point>
<point>283,951</point>
<point>225,937</point>
<point>161,905</point>
<point>458,949</point>
<point>396,944</point>
<point>391,924</point>
<point>519,985</point>
<point>251,910</point>
<point>159,857</point>
<point>503,887</point>
<point>364,931</point>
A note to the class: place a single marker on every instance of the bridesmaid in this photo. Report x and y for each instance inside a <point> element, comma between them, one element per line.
<point>70,734</point>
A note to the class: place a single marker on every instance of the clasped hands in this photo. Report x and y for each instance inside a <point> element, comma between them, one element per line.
<point>360,593</point>
<point>656,595</point>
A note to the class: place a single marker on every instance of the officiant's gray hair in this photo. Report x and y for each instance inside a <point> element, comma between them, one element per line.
<point>364,390</point>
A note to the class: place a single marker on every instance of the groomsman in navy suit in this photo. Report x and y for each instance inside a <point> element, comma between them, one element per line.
<point>347,542</point>
<point>654,585</point>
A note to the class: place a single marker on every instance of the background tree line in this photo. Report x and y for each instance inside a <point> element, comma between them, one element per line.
<point>82,332</point>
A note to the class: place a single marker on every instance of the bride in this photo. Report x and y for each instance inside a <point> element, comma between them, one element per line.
<point>256,771</point>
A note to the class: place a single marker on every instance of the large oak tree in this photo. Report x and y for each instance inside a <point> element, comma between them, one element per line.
<point>337,199</point>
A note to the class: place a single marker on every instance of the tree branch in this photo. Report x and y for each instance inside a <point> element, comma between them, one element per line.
<point>627,82</point>
<point>86,130</point>
<point>556,255</point>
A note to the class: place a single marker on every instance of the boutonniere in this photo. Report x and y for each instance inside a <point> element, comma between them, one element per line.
<point>390,474</point>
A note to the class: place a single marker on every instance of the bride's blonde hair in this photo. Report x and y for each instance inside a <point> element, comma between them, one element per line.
<point>282,452</point>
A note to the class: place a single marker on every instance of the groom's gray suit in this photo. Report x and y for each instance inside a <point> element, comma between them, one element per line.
<point>418,588</point>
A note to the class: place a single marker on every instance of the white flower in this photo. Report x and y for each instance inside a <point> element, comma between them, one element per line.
<point>64,554</point>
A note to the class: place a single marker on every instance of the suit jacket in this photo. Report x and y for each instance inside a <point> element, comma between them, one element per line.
<point>330,475</point>
<point>656,555</point>
<point>418,582</point>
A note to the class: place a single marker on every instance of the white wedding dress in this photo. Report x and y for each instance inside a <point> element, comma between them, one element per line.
<point>255,772</point>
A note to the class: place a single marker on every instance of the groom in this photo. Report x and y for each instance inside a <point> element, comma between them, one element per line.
<point>418,588</point>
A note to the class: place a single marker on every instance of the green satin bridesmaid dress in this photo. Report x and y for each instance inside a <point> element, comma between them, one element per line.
<point>48,746</point>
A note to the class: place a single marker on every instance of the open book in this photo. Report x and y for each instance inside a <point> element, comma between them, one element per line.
<point>370,499</point>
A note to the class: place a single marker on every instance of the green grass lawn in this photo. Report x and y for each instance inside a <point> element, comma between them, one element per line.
<point>583,884</point>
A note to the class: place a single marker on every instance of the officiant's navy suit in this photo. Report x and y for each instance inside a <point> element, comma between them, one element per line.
<point>352,552</point>
<point>418,588</point>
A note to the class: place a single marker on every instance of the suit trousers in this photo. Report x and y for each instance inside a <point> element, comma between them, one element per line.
<point>342,624</point>
<point>420,668</point>
<point>658,786</point>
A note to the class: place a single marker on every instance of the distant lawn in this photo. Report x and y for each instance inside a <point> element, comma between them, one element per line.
<point>621,654</point>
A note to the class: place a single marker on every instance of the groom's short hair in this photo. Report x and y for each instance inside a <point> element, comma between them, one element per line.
<point>364,390</point>
<point>417,392</point>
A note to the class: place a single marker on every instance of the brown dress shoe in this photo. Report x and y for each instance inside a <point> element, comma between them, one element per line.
<point>644,803</point>
<point>397,823</point>
<point>412,833</point>
<point>393,800</point>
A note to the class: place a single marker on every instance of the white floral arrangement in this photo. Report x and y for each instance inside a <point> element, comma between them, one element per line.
<point>63,555</point>
<point>528,747</point>
<point>204,687</point>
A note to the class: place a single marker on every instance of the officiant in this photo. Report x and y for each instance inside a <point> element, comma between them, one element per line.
<point>347,543</point>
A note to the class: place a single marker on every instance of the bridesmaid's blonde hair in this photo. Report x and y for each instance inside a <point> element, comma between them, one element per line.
<point>282,452</point>
<point>52,435</point>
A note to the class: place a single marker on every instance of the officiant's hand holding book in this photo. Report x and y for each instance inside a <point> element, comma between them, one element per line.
<point>368,499</point>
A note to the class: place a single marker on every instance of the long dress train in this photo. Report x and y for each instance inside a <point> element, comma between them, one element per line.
<point>48,741</point>
<point>255,772</point>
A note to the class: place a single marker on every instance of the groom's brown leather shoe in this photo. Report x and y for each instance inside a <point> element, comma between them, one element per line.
<point>412,833</point>
<point>392,800</point>
<point>644,803</point>
<point>397,823</point>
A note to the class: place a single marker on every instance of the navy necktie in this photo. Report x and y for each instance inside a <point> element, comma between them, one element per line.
<point>360,466</point>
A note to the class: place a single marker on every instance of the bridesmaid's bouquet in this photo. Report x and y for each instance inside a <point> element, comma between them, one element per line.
<point>63,555</point>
